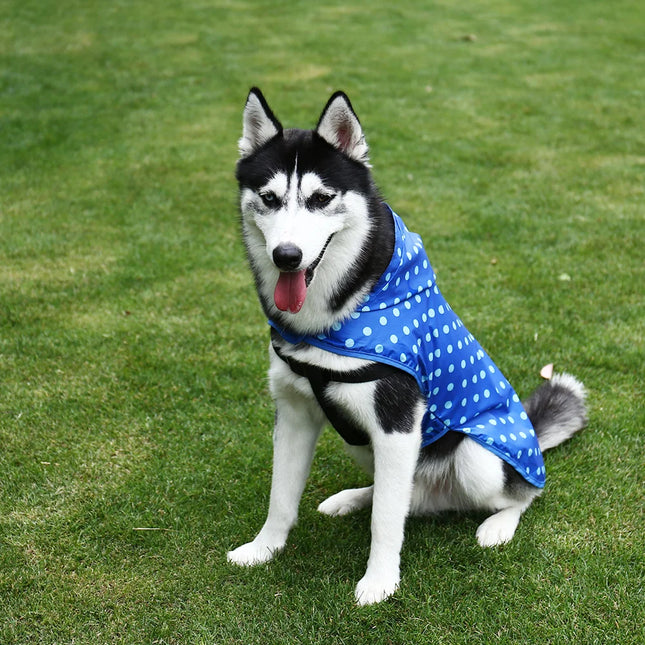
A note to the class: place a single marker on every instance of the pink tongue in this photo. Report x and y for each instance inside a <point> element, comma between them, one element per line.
<point>290,291</point>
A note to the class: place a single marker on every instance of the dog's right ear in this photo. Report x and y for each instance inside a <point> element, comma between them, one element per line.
<point>260,124</point>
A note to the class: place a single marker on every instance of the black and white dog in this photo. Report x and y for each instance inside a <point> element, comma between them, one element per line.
<point>361,337</point>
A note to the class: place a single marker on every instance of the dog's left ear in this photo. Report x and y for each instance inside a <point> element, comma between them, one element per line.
<point>339,126</point>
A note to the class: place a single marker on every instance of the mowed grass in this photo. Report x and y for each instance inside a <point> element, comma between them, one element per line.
<point>135,420</point>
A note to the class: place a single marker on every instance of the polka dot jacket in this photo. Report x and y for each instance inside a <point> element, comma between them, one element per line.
<point>405,322</point>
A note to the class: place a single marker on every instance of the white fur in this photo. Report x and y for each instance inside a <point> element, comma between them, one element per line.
<point>346,217</point>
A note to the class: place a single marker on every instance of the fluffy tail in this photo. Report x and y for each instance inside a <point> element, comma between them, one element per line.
<point>557,410</point>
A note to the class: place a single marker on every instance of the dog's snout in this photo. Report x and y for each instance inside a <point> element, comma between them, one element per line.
<point>287,256</point>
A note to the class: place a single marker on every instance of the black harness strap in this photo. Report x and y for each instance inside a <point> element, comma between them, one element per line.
<point>319,378</point>
<point>361,375</point>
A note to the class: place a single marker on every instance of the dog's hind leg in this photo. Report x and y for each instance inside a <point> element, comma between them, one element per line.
<point>500,527</point>
<point>352,499</point>
<point>347,501</point>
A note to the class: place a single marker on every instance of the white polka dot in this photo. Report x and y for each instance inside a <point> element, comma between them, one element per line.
<point>428,337</point>
<point>406,330</point>
<point>382,305</point>
<point>396,312</point>
<point>336,326</point>
<point>349,343</point>
<point>446,329</point>
<point>383,320</point>
<point>476,398</point>
<point>451,368</point>
<point>379,349</point>
<point>437,373</point>
<point>462,421</point>
<point>437,352</point>
<point>403,358</point>
<point>431,313</point>
<point>407,304</point>
<point>367,331</point>
<point>513,437</point>
<point>355,315</point>
<point>502,438</point>
<point>486,394</point>
<point>450,349</point>
<point>450,387</point>
<point>523,416</point>
<point>447,405</point>
<point>493,422</point>
<point>523,435</point>
<point>394,338</point>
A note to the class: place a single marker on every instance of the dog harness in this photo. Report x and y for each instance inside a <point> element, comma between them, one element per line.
<point>405,322</point>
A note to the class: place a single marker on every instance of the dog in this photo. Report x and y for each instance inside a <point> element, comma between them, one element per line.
<point>362,338</point>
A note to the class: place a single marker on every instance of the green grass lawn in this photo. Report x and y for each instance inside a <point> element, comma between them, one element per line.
<point>133,395</point>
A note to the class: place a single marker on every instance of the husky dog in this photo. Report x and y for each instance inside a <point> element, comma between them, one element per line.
<point>361,337</point>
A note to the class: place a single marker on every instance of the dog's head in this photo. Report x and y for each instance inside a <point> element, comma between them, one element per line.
<point>305,200</point>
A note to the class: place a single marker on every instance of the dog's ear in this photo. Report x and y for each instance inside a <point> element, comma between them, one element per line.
<point>260,124</point>
<point>340,126</point>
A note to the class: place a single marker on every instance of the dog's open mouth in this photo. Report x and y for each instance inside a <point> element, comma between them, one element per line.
<point>291,288</point>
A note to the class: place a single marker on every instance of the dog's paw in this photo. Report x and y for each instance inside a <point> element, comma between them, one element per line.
<point>497,529</point>
<point>373,589</point>
<point>251,554</point>
<point>347,501</point>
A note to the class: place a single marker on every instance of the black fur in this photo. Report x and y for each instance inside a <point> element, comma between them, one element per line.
<point>396,400</point>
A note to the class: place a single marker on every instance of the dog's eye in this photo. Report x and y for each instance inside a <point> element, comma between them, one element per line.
<point>270,199</point>
<point>320,199</point>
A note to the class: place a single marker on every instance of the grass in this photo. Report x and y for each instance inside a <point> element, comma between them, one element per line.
<point>133,350</point>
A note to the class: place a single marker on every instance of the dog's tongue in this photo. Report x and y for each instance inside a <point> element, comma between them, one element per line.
<point>290,291</point>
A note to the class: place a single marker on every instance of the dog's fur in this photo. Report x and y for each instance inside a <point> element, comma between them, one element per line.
<point>309,207</point>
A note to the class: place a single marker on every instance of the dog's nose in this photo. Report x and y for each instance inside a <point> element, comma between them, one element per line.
<point>287,256</point>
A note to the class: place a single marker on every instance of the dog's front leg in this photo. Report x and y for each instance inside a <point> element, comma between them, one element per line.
<point>395,458</point>
<point>297,427</point>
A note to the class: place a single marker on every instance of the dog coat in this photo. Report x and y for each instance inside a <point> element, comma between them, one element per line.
<point>405,322</point>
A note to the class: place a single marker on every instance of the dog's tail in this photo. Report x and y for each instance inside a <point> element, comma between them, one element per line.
<point>557,410</point>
